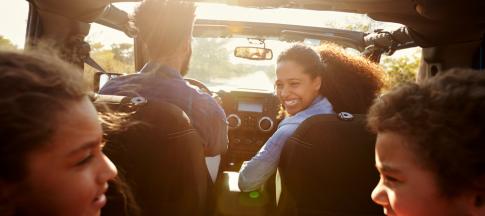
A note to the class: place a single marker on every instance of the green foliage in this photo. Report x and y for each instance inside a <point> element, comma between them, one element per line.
<point>362,24</point>
<point>118,59</point>
<point>401,69</point>
<point>6,44</point>
<point>211,62</point>
<point>398,68</point>
<point>123,52</point>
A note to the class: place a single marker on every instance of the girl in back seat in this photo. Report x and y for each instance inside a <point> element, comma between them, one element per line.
<point>308,84</point>
<point>50,150</point>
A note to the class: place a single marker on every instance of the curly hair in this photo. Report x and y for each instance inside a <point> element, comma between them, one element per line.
<point>163,25</point>
<point>351,83</point>
<point>34,89</point>
<point>443,119</point>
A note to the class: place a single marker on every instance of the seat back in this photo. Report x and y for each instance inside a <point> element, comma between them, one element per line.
<point>327,168</point>
<point>160,156</point>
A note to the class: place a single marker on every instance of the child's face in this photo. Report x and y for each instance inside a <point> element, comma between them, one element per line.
<point>405,188</point>
<point>68,176</point>
<point>295,89</point>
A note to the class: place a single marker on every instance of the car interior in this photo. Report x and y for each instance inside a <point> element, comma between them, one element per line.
<point>162,159</point>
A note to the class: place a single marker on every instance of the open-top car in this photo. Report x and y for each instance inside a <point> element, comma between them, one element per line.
<point>234,60</point>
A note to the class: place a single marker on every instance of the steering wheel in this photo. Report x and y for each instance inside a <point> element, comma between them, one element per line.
<point>204,88</point>
<point>199,85</point>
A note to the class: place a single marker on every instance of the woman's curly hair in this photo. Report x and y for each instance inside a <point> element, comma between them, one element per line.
<point>350,82</point>
<point>443,120</point>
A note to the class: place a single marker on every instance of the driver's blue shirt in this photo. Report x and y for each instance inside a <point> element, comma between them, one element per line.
<point>255,172</point>
<point>162,83</point>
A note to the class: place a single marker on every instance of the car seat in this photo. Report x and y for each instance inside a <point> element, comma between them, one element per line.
<point>327,168</point>
<point>159,155</point>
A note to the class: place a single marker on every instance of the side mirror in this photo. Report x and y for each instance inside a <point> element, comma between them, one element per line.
<point>253,53</point>
<point>100,78</point>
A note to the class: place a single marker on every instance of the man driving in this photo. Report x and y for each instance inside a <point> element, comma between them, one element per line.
<point>165,27</point>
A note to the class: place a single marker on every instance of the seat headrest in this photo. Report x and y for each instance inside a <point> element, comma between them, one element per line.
<point>106,103</point>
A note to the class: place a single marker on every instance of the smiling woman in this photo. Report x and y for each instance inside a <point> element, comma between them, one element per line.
<point>50,154</point>
<point>298,81</point>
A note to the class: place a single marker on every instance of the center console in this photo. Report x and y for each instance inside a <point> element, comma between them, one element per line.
<point>252,119</point>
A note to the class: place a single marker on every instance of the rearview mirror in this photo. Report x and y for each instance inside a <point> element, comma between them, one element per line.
<point>253,53</point>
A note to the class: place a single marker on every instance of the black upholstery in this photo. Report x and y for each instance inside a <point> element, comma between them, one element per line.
<point>327,168</point>
<point>161,158</point>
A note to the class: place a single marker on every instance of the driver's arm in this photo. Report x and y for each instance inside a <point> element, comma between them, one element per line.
<point>211,123</point>
<point>218,142</point>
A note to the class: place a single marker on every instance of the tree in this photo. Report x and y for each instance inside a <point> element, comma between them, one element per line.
<point>118,59</point>
<point>6,44</point>
<point>123,52</point>
<point>401,69</point>
<point>398,68</point>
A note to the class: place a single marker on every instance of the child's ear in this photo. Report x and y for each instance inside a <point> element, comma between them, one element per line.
<point>479,201</point>
<point>188,44</point>
<point>7,200</point>
<point>479,196</point>
<point>475,203</point>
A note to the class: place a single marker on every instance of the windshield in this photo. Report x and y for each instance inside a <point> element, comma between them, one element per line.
<point>214,64</point>
<point>213,61</point>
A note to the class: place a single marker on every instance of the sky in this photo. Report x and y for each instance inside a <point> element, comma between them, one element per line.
<point>14,17</point>
<point>13,20</point>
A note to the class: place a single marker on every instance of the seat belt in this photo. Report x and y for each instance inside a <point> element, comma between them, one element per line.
<point>91,62</point>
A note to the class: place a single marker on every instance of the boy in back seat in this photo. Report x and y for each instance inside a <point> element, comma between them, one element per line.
<point>430,148</point>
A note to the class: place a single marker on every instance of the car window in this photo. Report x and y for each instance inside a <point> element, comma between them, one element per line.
<point>402,66</point>
<point>213,61</point>
<point>12,35</point>
<point>111,49</point>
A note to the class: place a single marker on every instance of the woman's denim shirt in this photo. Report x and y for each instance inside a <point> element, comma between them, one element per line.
<point>256,171</point>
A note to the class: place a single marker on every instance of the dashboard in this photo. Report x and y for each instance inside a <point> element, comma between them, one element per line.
<point>252,119</point>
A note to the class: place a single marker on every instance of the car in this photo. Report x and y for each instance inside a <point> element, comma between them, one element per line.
<point>450,33</point>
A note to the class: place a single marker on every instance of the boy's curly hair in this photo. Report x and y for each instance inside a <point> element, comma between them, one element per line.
<point>443,120</point>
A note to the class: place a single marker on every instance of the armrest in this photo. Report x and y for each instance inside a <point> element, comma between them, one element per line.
<point>231,200</point>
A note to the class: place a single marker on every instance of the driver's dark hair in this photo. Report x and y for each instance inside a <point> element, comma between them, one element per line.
<point>443,122</point>
<point>163,25</point>
<point>34,89</point>
<point>350,82</point>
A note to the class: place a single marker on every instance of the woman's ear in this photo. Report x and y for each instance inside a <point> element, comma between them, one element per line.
<point>317,83</point>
